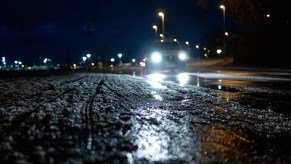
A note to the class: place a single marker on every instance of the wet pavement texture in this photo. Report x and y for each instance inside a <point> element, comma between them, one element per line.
<point>115,118</point>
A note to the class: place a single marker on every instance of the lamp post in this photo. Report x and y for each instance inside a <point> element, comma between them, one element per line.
<point>88,57</point>
<point>84,58</point>
<point>161,14</point>
<point>224,36</point>
<point>156,31</point>
<point>119,55</point>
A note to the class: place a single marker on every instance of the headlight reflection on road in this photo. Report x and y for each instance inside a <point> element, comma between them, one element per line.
<point>155,79</point>
<point>219,84</point>
<point>153,146</point>
<point>156,96</point>
<point>183,78</point>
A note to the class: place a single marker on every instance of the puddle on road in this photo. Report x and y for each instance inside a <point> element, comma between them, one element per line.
<point>183,79</point>
<point>231,91</point>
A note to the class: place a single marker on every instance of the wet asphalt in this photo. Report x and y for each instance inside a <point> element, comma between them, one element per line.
<point>201,117</point>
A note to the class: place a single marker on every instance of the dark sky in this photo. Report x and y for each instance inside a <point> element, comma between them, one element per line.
<point>30,29</point>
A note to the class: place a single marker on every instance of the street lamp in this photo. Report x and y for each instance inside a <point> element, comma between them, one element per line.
<point>120,55</point>
<point>84,58</point>
<point>156,30</point>
<point>88,56</point>
<point>224,37</point>
<point>161,14</point>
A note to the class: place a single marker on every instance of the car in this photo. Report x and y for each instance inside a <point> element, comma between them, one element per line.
<point>166,55</point>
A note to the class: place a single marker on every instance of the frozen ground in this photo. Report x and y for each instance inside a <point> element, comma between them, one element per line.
<point>90,118</point>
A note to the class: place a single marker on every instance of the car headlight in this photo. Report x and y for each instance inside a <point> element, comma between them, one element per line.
<point>156,57</point>
<point>182,56</point>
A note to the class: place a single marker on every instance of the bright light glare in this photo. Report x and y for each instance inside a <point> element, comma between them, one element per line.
<point>156,57</point>
<point>142,64</point>
<point>183,78</point>
<point>182,56</point>
<point>156,77</point>
<point>156,96</point>
<point>161,14</point>
<point>88,55</point>
<point>151,145</point>
<point>219,87</point>
<point>218,51</point>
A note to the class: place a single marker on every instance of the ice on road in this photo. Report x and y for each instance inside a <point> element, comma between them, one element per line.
<point>89,118</point>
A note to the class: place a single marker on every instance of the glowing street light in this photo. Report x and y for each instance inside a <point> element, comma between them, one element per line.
<point>223,9</point>
<point>88,57</point>
<point>218,51</point>
<point>161,14</point>
<point>224,40</point>
<point>119,55</point>
<point>187,43</point>
<point>112,60</point>
<point>156,30</point>
<point>84,58</point>
<point>4,61</point>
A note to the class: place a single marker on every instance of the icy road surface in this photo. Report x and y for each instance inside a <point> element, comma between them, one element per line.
<point>93,118</point>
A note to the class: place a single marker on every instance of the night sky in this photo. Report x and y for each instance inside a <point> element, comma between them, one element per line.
<point>30,29</point>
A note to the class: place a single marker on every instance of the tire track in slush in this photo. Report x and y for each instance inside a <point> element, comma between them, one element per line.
<point>22,117</point>
<point>87,118</point>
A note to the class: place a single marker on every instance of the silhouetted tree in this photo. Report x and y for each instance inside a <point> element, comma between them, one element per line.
<point>259,36</point>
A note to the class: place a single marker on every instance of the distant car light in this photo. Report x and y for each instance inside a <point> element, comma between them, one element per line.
<point>156,57</point>
<point>142,64</point>
<point>182,56</point>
